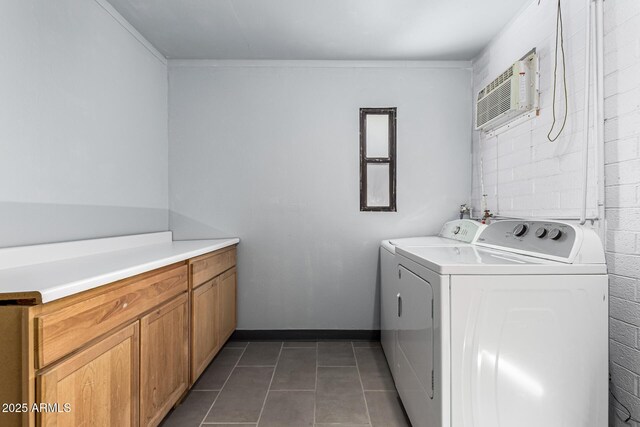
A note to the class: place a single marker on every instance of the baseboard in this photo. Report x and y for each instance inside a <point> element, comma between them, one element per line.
<point>305,334</point>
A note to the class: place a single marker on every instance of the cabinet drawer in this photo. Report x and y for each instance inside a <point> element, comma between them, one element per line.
<point>67,329</point>
<point>208,266</point>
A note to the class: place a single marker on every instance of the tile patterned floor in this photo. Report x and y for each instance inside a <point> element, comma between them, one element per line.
<point>292,383</point>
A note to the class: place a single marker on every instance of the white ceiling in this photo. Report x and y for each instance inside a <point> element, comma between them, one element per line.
<point>319,29</point>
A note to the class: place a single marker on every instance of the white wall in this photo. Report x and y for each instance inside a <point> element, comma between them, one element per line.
<point>83,124</point>
<point>622,172</point>
<point>525,175</point>
<point>269,152</point>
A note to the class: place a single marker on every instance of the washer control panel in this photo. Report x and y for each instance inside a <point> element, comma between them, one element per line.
<point>463,230</point>
<point>540,237</point>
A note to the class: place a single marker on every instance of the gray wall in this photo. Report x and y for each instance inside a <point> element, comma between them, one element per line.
<point>269,153</point>
<point>83,125</point>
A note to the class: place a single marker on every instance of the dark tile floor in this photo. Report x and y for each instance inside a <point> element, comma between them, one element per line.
<point>292,383</point>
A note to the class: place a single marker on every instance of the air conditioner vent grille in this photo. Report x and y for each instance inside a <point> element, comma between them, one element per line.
<point>496,82</point>
<point>495,104</point>
<point>514,93</point>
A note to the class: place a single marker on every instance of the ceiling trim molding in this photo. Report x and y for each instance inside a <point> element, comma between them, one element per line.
<point>135,33</point>
<point>239,63</point>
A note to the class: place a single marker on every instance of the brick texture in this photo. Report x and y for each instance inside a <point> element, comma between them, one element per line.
<point>622,201</point>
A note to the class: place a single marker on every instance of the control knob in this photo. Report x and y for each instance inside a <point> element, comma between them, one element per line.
<point>555,234</point>
<point>520,230</point>
<point>541,232</point>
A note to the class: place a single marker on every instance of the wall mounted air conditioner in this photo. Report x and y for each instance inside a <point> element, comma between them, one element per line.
<point>510,96</point>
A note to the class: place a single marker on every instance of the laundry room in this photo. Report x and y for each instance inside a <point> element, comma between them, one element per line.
<point>347,213</point>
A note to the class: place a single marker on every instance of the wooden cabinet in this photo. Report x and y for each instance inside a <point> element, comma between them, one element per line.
<point>227,303</point>
<point>122,354</point>
<point>164,359</point>
<point>205,325</point>
<point>99,383</point>
<point>213,319</point>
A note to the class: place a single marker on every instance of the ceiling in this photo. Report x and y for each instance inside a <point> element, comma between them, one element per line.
<point>319,29</point>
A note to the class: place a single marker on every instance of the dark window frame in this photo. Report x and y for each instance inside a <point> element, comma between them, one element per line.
<point>390,160</point>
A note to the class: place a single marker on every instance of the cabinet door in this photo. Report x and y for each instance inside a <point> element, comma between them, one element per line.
<point>100,385</point>
<point>205,338</point>
<point>164,359</point>
<point>227,303</point>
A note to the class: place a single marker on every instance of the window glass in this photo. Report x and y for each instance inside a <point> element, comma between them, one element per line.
<point>377,184</point>
<point>377,135</point>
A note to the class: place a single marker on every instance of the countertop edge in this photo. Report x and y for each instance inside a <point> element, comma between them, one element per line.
<point>72,288</point>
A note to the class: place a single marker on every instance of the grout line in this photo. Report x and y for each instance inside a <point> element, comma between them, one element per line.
<point>364,396</point>
<point>273,374</point>
<point>219,423</point>
<point>286,348</point>
<point>338,366</point>
<point>315,387</point>
<point>240,423</point>
<point>256,366</point>
<point>225,383</point>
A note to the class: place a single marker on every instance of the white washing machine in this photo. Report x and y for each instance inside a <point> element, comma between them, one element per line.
<point>509,332</point>
<point>453,233</point>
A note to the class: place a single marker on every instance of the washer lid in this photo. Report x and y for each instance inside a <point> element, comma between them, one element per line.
<point>424,241</point>
<point>459,232</point>
<point>479,261</point>
<point>392,244</point>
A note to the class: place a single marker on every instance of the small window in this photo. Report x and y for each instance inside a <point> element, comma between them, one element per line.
<point>378,159</point>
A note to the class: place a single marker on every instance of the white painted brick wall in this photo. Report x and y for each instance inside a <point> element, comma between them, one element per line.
<point>622,196</point>
<point>527,176</point>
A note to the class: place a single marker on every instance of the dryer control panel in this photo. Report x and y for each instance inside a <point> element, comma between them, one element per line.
<point>463,230</point>
<point>541,238</point>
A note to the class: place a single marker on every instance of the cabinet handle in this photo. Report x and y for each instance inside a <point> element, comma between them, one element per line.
<point>399,305</point>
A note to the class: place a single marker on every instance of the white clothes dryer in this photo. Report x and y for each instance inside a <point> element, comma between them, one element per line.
<point>453,233</point>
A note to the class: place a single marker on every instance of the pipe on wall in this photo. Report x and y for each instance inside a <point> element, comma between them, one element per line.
<point>587,84</point>
<point>599,121</point>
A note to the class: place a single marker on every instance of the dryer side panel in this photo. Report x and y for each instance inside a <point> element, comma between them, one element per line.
<point>388,305</point>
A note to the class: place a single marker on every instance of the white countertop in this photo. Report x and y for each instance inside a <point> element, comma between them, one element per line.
<point>63,269</point>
